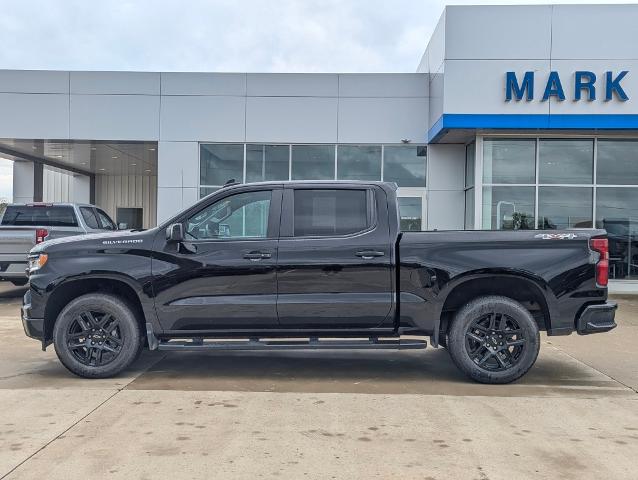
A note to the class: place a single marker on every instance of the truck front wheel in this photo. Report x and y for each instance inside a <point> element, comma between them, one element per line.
<point>97,336</point>
<point>493,339</point>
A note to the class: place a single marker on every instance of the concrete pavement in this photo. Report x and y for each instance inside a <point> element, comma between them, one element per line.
<point>321,414</point>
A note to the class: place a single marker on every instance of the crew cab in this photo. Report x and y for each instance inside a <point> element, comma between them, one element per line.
<point>293,265</point>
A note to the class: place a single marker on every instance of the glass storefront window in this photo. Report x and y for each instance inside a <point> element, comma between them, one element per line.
<point>267,162</point>
<point>313,162</point>
<point>359,162</point>
<point>410,214</point>
<point>509,161</point>
<point>616,212</point>
<point>220,162</point>
<point>508,208</point>
<point>564,207</point>
<point>203,191</point>
<point>565,161</point>
<point>405,165</point>
<point>617,162</point>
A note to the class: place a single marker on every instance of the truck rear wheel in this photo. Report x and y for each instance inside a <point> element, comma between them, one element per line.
<point>97,336</point>
<point>494,340</point>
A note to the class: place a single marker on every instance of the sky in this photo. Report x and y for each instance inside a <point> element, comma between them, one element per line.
<point>218,35</point>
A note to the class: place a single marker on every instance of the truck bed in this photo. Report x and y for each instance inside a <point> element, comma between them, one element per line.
<point>553,269</point>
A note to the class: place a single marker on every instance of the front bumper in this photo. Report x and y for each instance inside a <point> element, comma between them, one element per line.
<point>33,327</point>
<point>597,318</point>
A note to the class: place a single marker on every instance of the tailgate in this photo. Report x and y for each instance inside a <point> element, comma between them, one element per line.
<point>15,243</point>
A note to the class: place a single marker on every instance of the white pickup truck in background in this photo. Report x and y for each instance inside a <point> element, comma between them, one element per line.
<point>25,225</point>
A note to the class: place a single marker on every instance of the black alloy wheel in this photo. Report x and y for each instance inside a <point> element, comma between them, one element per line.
<point>97,335</point>
<point>493,339</point>
<point>495,342</point>
<point>95,338</point>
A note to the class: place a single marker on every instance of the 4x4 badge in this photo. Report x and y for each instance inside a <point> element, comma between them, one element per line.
<point>556,236</point>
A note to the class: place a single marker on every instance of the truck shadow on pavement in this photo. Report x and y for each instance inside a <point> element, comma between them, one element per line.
<point>426,372</point>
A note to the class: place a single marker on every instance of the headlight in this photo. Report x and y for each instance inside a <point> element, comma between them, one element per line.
<point>37,261</point>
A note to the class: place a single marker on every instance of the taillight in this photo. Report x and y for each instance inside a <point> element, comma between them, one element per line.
<point>601,245</point>
<point>40,235</point>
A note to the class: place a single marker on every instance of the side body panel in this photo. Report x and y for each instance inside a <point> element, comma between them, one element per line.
<point>329,282</point>
<point>433,264</point>
<point>210,284</point>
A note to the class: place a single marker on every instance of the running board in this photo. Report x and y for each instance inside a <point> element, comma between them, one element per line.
<point>313,343</point>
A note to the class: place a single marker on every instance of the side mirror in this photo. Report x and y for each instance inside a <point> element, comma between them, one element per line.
<point>175,233</point>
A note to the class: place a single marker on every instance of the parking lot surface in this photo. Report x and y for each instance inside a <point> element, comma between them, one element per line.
<point>328,414</point>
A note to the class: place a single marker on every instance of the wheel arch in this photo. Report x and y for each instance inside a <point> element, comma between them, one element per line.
<point>70,289</point>
<point>531,292</point>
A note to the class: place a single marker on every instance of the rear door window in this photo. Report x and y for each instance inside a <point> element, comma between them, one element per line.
<point>324,212</point>
<point>39,215</point>
<point>88,214</point>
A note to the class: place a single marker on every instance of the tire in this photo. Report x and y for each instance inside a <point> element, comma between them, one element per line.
<point>489,351</point>
<point>96,323</point>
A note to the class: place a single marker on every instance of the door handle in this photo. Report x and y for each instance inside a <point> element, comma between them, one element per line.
<point>255,256</point>
<point>369,254</point>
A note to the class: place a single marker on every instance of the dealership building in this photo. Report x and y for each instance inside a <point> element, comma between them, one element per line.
<point>516,117</point>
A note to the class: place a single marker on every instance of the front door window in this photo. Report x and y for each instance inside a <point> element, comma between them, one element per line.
<point>244,215</point>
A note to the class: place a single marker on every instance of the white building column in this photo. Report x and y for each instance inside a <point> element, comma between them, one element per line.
<point>177,177</point>
<point>23,188</point>
<point>445,187</point>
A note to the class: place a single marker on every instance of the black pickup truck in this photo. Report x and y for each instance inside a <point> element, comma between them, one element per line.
<point>292,265</point>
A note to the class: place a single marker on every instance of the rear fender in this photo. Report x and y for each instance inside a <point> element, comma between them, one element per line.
<point>541,289</point>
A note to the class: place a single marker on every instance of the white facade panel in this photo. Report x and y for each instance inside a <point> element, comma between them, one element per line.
<point>383,120</point>
<point>114,117</point>
<point>291,119</point>
<point>435,104</point>
<point>34,115</point>
<point>292,85</point>
<point>34,81</point>
<point>190,196</point>
<point>604,32</point>
<point>498,32</point>
<point>178,164</point>
<point>110,83</point>
<point>485,91</point>
<point>435,51</point>
<point>203,118</point>
<point>446,167</point>
<point>446,210</point>
<point>179,83</point>
<point>169,202</point>
<point>383,85</point>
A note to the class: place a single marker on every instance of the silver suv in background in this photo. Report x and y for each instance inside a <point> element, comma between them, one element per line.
<point>24,225</point>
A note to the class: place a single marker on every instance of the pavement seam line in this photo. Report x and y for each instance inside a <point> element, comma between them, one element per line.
<point>59,435</point>
<point>593,368</point>
<point>118,390</point>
